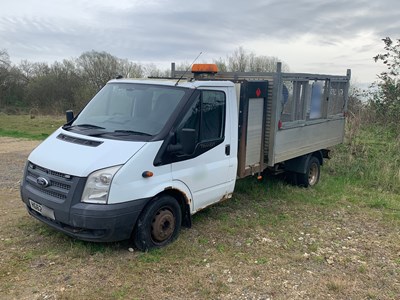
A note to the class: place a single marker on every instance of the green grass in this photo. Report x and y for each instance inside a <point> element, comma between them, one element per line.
<point>23,126</point>
<point>371,159</point>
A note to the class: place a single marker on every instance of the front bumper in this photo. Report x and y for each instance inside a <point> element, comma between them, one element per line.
<point>97,223</point>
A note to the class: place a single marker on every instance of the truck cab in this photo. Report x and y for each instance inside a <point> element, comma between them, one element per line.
<point>139,159</point>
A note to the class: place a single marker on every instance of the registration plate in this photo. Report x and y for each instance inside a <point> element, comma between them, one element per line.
<point>41,209</point>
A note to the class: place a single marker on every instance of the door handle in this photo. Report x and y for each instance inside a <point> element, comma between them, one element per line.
<point>228,150</point>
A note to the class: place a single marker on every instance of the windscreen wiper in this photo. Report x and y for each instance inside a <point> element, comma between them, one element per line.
<point>86,126</point>
<point>118,133</point>
<point>129,132</point>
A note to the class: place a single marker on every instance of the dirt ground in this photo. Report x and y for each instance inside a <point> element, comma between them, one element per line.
<point>330,253</point>
<point>13,155</point>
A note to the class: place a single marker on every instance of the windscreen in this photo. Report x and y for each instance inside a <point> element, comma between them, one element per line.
<point>129,109</point>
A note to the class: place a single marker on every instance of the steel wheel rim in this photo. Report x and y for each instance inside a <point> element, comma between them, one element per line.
<point>313,174</point>
<point>163,225</point>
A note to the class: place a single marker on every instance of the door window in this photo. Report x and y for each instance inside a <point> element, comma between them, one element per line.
<point>206,116</point>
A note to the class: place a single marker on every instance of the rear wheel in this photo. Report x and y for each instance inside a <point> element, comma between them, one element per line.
<point>159,224</point>
<point>311,177</point>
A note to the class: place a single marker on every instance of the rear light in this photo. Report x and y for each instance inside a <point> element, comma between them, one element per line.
<point>279,124</point>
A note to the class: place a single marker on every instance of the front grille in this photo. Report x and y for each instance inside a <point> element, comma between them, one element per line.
<point>47,171</point>
<point>48,192</point>
<point>58,184</point>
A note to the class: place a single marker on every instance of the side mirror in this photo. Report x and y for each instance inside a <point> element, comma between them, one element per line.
<point>69,114</point>
<point>188,140</point>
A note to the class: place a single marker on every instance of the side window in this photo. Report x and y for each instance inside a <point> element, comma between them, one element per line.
<point>304,101</point>
<point>212,115</point>
<point>206,116</point>
<point>317,95</point>
<point>336,98</point>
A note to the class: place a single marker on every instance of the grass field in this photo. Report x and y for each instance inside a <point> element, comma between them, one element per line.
<point>23,126</point>
<point>339,240</point>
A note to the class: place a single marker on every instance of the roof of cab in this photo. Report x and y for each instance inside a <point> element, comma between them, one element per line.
<point>169,82</point>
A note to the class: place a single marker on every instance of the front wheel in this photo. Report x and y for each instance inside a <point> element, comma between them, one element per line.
<point>311,177</point>
<point>159,224</point>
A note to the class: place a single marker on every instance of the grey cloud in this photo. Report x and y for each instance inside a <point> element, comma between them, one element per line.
<point>179,30</point>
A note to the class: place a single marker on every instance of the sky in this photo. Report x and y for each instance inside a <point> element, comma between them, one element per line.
<point>324,36</point>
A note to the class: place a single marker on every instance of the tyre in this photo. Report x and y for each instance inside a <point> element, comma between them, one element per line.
<point>159,224</point>
<point>311,177</point>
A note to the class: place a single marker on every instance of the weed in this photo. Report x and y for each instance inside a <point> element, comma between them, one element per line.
<point>362,269</point>
<point>335,286</point>
<point>261,261</point>
<point>153,256</point>
<point>203,241</point>
<point>121,293</point>
<point>318,258</point>
<point>313,247</point>
<point>220,248</point>
<point>28,255</point>
<point>371,296</point>
<point>378,203</point>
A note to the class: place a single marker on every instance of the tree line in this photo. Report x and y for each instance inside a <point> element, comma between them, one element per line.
<point>53,88</point>
<point>70,84</point>
<point>62,85</point>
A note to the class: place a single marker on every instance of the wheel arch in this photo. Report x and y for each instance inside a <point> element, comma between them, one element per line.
<point>183,200</point>
<point>299,164</point>
<point>319,155</point>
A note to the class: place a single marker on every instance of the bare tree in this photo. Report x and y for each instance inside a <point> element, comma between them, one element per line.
<point>264,63</point>
<point>129,69</point>
<point>220,62</point>
<point>244,61</point>
<point>239,60</point>
<point>97,67</point>
<point>151,70</point>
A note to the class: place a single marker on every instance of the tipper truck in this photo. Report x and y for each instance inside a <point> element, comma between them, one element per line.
<point>144,155</point>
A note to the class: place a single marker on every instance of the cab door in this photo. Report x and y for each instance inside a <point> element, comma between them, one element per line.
<point>206,171</point>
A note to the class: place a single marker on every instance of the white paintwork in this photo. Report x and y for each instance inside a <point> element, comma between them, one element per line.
<point>209,176</point>
<point>232,116</point>
<point>128,184</point>
<point>80,160</point>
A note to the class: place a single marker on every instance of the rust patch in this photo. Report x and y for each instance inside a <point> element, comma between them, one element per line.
<point>187,199</point>
<point>225,197</point>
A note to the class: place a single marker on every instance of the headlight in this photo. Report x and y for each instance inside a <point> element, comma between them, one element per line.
<point>98,185</point>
